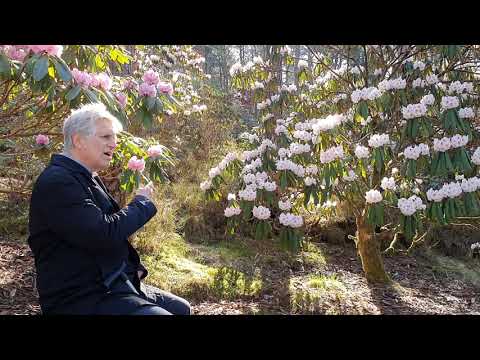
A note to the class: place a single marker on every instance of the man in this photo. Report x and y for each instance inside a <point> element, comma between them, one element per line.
<point>78,233</point>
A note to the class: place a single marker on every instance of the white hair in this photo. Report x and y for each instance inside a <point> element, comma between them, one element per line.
<point>82,121</point>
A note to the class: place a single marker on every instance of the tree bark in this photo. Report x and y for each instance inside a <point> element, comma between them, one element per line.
<point>369,250</point>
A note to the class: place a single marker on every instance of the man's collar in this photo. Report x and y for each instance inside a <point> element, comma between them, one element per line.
<point>67,162</point>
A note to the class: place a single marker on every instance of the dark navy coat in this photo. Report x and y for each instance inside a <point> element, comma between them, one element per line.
<point>78,235</point>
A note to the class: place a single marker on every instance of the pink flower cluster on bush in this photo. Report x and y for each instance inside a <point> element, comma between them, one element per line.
<point>42,139</point>
<point>152,84</point>
<point>135,164</point>
<point>19,52</point>
<point>85,79</point>
<point>122,99</point>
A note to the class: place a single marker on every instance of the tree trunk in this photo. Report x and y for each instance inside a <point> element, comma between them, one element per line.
<point>369,250</point>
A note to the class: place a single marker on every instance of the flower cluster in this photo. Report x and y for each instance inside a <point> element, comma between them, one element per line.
<point>284,205</point>
<point>476,157</point>
<point>250,137</point>
<point>459,87</point>
<point>362,152</point>
<point>155,151</point>
<point>286,164</point>
<point>466,113</point>
<point>447,143</point>
<point>302,135</point>
<point>331,154</point>
<point>231,211</point>
<point>449,190</point>
<point>248,194</point>
<point>135,164</point>
<point>370,93</point>
<point>428,99</point>
<point>261,212</point>
<point>84,79</point>
<point>418,82</point>
<point>15,52</point>
<point>291,220</point>
<point>378,140</point>
<point>431,79</point>
<point>328,123</point>
<point>414,151</point>
<point>296,148</point>
<point>373,196</point>
<point>420,65</point>
<point>53,50</point>
<point>409,206</point>
<point>449,102</point>
<point>414,111</point>
<point>42,139</point>
<point>281,129</point>
<point>395,84</point>
<point>388,183</point>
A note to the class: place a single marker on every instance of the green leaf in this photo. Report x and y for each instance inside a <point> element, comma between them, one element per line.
<point>40,69</point>
<point>4,65</point>
<point>91,95</point>
<point>73,93</point>
<point>149,102</point>
<point>62,69</point>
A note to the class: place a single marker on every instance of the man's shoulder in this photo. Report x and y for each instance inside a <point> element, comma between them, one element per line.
<point>55,175</point>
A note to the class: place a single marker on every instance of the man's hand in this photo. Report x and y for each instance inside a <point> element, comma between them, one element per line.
<point>146,191</point>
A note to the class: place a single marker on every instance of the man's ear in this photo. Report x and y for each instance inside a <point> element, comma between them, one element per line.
<point>77,141</point>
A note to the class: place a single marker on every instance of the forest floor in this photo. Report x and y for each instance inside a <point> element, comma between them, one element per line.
<point>248,277</point>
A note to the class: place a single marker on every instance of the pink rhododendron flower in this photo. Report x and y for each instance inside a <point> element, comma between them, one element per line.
<point>130,85</point>
<point>81,78</point>
<point>165,88</point>
<point>56,50</point>
<point>154,151</point>
<point>151,77</point>
<point>147,90</point>
<point>42,139</point>
<point>104,81</point>
<point>122,99</point>
<point>15,52</point>
<point>135,164</point>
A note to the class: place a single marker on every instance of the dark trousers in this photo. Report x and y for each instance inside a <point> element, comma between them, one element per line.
<point>163,303</point>
<point>151,301</point>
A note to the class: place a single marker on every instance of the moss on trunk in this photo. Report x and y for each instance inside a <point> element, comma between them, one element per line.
<point>369,250</point>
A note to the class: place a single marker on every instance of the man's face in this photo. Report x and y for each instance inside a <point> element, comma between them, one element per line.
<point>96,151</point>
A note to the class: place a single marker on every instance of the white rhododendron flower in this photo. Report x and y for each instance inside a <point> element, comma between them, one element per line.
<point>284,205</point>
<point>261,212</point>
<point>291,220</point>
<point>466,113</point>
<point>362,152</point>
<point>388,183</point>
<point>378,140</point>
<point>204,186</point>
<point>373,196</point>
<point>409,206</point>
<point>476,157</point>
<point>449,102</point>
<point>231,211</point>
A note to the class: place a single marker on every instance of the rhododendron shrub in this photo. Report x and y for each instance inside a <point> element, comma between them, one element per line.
<point>41,84</point>
<point>389,128</point>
